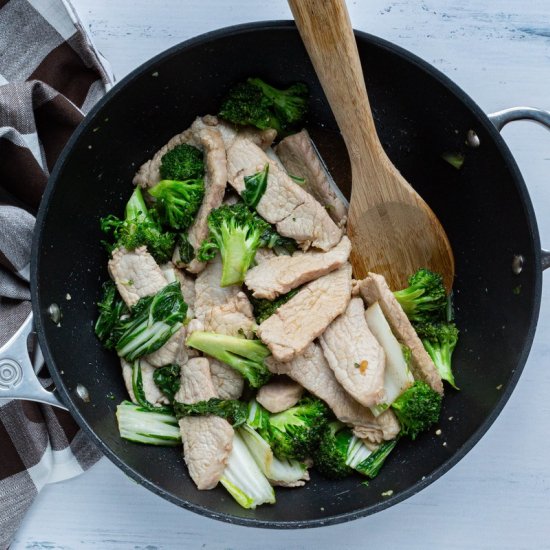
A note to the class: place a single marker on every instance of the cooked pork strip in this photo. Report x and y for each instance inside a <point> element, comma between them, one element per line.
<point>263,254</point>
<point>262,138</point>
<point>227,311</point>
<point>300,158</point>
<point>306,315</point>
<point>295,212</point>
<point>215,180</point>
<point>311,370</point>
<point>281,274</point>
<point>279,394</point>
<point>150,389</point>
<point>174,351</point>
<point>136,274</point>
<point>272,155</point>
<point>148,174</point>
<point>227,381</point>
<point>207,440</point>
<point>187,284</point>
<point>355,356</point>
<point>375,289</point>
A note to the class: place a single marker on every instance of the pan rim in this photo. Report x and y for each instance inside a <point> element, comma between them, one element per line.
<point>476,436</point>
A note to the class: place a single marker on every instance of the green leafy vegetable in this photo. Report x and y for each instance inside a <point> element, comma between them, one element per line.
<point>233,410</point>
<point>151,323</point>
<point>185,249</point>
<point>139,392</point>
<point>140,227</point>
<point>456,160</point>
<point>266,308</point>
<point>111,309</point>
<point>254,187</point>
<point>167,380</point>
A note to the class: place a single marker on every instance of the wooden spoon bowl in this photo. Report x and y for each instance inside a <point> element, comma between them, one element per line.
<point>392,230</point>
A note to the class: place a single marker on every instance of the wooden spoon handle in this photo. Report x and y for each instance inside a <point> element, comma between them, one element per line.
<point>326,31</point>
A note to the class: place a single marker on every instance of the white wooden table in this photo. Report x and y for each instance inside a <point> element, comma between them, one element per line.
<point>498,51</point>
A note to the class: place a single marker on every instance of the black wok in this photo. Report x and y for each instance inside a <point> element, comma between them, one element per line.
<point>420,114</point>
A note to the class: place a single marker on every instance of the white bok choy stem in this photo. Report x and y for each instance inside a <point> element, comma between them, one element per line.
<point>141,425</point>
<point>397,375</point>
<point>244,480</point>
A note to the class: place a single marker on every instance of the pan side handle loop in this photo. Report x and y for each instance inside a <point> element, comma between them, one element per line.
<point>17,376</point>
<point>501,118</point>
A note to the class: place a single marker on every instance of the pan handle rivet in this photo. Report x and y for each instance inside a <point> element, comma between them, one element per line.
<point>83,393</point>
<point>517,264</point>
<point>472,139</point>
<point>55,313</point>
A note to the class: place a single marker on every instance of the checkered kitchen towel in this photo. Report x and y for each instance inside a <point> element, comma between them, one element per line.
<point>50,76</point>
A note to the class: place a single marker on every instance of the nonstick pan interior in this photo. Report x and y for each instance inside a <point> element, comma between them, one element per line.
<point>419,115</point>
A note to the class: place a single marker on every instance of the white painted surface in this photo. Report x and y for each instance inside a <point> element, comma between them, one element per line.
<point>498,51</point>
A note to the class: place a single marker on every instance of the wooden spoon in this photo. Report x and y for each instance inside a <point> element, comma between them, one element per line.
<point>392,230</point>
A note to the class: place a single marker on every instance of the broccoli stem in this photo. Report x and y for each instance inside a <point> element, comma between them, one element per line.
<point>371,466</point>
<point>135,207</point>
<point>245,356</point>
<point>237,255</point>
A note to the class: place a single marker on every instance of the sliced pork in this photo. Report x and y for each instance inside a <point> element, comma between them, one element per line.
<point>355,355</point>
<point>280,274</point>
<point>207,440</point>
<point>136,274</point>
<point>375,289</point>
<point>173,351</point>
<point>311,370</point>
<point>300,158</point>
<point>227,381</point>
<point>215,180</point>
<point>295,212</point>
<point>279,394</point>
<point>152,394</point>
<point>306,315</point>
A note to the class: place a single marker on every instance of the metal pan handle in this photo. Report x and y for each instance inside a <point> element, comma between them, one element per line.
<point>501,118</point>
<point>18,379</point>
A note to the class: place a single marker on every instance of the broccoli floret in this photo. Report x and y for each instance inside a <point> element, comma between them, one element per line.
<point>290,105</point>
<point>258,104</point>
<point>440,340</point>
<point>425,298</point>
<point>235,231</point>
<point>331,456</point>
<point>245,356</point>
<point>266,308</point>
<point>111,309</point>
<point>183,162</point>
<point>178,202</point>
<point>139,227</point>
<point>340,452</point>
<point>417,408</point>
<point>295,433</point>
<point>152,321</point>
<point>231,409</point>
<point>167,380</point>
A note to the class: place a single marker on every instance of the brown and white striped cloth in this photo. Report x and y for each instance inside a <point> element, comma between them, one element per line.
<point>50,76</point>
